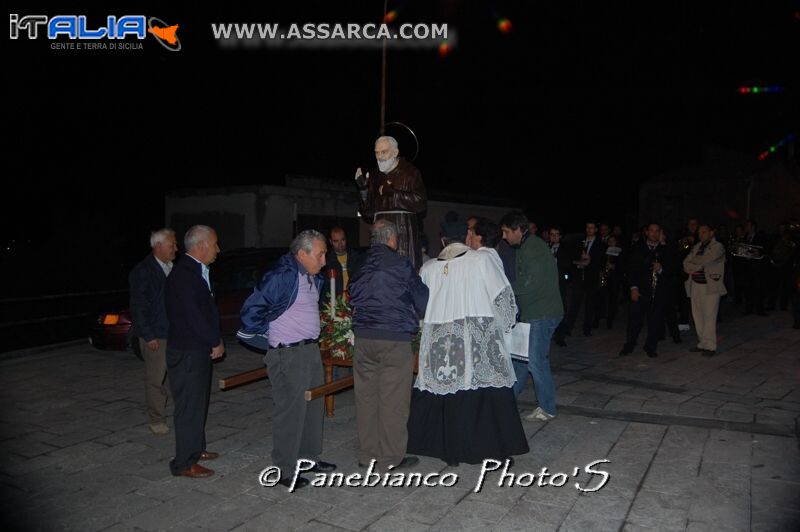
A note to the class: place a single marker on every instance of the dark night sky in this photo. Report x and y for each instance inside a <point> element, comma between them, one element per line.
<point>571,110</point>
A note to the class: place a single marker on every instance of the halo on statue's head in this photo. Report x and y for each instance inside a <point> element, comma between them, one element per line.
<point>404,136</point>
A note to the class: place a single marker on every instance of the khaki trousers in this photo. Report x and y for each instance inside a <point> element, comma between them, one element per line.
<point>155,376</point>
<point>704,312</point>
<point>383,371</point>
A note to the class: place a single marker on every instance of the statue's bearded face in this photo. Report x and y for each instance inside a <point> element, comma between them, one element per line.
<point>384,151</point>
<point>385,155</point>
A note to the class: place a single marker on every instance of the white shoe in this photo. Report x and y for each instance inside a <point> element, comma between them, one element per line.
<point>684,327</point>
<point>539,415</point>
<point>159,428</point>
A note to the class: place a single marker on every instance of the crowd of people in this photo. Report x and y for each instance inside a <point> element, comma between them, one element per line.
<point>495,286</point>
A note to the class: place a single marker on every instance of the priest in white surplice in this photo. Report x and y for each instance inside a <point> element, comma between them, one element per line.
<point>463,408</point>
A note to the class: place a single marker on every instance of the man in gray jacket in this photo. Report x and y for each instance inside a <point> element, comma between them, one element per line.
<point>705,265</point>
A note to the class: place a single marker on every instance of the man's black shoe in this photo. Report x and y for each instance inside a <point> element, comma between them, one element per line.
<point>676,338</point>
<point>696,350</point>
<point>625,351</point>
<point>322,467</point>
<point>408,461</point>
<point>301,482</point>
<point>587,333</point>
<point>651,353</point>
<point>709,353</point>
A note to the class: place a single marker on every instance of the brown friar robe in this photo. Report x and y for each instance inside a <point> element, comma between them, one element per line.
<point>402,202</point>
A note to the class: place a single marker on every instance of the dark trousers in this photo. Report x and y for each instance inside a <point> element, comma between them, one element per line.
<point>614,285</point>
<point>563,290</point>
<point>739,275</point>
<point>684,303</point>
<point>600,305</point>
<point>754,286</point>
<point>190,383</point>
<point>780,286</point>
<point>585,294</point>
<point>641,311</point>
<point>670,314</point>
<point>296,423</point>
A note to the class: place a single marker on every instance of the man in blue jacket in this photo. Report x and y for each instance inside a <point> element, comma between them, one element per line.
<point>388,300</point>
<point>193,342</point>
<point>281,317</point>
<point>147,280</point>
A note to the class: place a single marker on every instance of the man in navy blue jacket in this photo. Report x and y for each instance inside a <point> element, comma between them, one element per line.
<point>281,317</point>
<point>388,299</point>
<point>147,280</point>
<point>194,341</point>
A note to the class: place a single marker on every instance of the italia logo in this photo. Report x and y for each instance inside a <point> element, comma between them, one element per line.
<point>76,27</point>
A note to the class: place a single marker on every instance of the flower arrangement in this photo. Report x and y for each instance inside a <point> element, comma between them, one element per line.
<point>337,327</point>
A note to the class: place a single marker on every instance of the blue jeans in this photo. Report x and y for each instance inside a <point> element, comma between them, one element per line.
<point>539,364</point>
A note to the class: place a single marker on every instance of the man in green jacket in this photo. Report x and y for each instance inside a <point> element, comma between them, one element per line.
<point>539,301</point>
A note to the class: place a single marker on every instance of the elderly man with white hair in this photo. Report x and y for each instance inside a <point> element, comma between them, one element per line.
<point>149,316</point>
<point>394,192</point>
<point>388,301</point>
<point>193,342</point>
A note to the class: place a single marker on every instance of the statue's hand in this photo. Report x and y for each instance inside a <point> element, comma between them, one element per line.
<point>361,179</point>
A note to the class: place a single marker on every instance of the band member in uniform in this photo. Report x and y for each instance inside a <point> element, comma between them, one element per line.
<point>650,280</point>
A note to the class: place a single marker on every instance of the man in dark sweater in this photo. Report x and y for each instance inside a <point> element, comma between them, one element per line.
<point>193,342</point>
<point>149,316</point>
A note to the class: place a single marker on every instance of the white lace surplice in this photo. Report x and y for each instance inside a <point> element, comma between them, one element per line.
<point>470,308</point>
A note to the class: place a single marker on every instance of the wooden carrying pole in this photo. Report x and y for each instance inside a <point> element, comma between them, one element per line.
<point>240,379</point>
<point>331,387</point>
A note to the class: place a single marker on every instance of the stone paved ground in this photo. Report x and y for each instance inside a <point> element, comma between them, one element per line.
<point>694,443</point>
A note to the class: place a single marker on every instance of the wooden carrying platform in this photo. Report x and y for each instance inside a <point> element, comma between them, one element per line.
<point>326,390</point>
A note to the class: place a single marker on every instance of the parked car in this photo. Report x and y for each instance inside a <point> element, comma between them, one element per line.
<point>233,276</point>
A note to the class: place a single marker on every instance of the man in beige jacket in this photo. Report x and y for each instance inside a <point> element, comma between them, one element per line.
<point>705,265</point>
